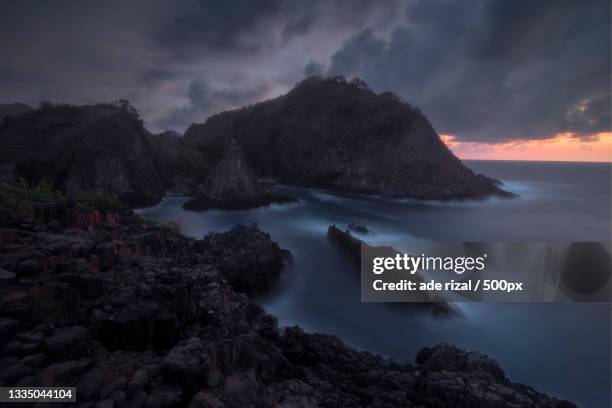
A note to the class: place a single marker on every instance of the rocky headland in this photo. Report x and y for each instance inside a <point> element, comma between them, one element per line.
<point>136,315</point>
<point>339,134</point>
<point>325,132</point>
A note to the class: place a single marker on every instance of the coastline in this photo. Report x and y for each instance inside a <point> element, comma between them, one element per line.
<point>156,301</point>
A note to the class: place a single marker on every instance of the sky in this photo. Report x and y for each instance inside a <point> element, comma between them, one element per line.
<point>498,79</point>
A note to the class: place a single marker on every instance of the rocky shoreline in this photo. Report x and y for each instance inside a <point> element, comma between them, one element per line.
<point>327,132</point>
<point>136,315</point>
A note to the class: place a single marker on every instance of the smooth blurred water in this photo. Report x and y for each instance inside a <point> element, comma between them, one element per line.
<point>561,349</point>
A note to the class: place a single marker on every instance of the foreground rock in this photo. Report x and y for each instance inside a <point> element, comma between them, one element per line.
<point>327,132</point>
<point>136,315</point>
<point>247,258</point>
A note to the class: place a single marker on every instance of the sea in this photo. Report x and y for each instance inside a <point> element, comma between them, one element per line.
<point>563,349</point>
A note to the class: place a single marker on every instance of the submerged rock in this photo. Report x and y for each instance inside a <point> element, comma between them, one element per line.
<point>352,248</point>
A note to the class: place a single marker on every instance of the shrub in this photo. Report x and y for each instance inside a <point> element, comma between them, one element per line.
<point>20,196</point>
<point>97,200</point>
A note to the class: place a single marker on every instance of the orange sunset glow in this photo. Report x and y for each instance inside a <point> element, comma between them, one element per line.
<point>561,147</point>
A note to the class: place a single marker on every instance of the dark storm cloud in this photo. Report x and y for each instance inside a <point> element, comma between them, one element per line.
<point>204,97</point>
<point>357,54</point>
<point>486,70</point>
<point>238,31</point>
<point>205,100</point>
<point>314,68</point>
<point>216,24</point>
<point>248,26</point>
<point>495,70</point>
<point>77,52</point>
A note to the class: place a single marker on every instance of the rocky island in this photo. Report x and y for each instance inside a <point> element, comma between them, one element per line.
<point>339,134</point>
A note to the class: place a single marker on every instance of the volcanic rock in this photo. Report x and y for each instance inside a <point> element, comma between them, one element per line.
<point>221,350</point>
<point>247,257</point>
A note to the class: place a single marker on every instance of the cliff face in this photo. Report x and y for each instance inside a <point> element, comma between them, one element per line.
<point>93,147</point>
<point>328,132</point>
<point>181,166</point>
<point>231,177</point>
<point>105,147</point>
<point>230,184</point>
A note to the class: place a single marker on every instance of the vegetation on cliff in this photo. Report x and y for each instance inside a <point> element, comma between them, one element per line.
<point>339,134</point>
<point>325,132</point>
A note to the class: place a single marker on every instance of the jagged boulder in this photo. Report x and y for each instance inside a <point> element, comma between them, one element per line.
<point>68,341</point>
<point>247,257</point>
<point>187,365</point>
<point>230,181</point>
<point>232,184</point>
<point>446,357</point>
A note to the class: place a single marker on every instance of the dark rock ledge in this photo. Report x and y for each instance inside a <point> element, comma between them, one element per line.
<point>136,315</point>
<point>351,247</point>
<point>263,200</point>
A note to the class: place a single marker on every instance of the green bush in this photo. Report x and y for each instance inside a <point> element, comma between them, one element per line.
<point>20,196</point>
<point>97,200</point>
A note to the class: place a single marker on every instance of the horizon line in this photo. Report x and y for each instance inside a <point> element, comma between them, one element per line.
<point>542,160</point>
